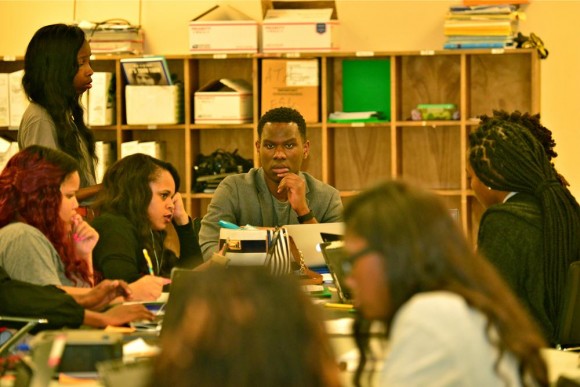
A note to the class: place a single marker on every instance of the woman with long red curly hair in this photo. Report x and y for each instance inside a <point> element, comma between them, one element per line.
<point>42,238</point>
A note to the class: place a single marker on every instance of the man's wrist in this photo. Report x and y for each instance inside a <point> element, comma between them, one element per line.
<point>306,217</point>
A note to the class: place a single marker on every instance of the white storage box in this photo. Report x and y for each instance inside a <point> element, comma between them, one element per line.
<point>17,98</point>
<point>4,99</point>
<point>101,100</point>
<point>154,105</point>
<point>225,101</point>
<point>223,29</point>
<point>286,30</point>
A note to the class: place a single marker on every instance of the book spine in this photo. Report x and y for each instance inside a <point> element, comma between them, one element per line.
<point>457,46</point>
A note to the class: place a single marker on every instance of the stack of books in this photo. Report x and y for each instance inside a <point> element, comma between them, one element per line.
<point>114,36</point>
<point>481,26</point>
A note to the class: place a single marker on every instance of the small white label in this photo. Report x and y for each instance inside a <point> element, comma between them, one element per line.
<point>302,73</point>
<point>365,53</point>
<point>220,56</point>
<point>9,58</point>
<point>427,52</point>
<point>497,50</point>
<point>357,124</point>
<point>151,127</point>
<point>292,55</point>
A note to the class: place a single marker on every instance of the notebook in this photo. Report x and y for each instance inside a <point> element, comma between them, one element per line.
<point>308,236</point>
<point>333,254</point>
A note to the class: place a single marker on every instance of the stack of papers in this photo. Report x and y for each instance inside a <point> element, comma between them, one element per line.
<point>372,116</point>
<point>113,37</point>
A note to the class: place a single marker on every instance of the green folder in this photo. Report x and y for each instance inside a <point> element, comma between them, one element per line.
<point>366,86</point>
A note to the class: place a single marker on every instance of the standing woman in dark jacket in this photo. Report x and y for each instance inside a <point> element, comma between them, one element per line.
<point>531,227</point>
<point>57,71</point>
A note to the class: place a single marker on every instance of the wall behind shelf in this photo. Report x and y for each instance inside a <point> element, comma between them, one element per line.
<point>379,25</point>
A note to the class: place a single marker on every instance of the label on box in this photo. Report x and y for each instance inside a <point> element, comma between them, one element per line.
<point>291,83</point>
<point>302,73</point>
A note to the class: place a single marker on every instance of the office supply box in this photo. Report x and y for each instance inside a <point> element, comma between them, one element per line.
<point>154,105</point>
<point>292,83</point>
<point>223,101</point>
<point>286,30</point>
<point>223,29</point>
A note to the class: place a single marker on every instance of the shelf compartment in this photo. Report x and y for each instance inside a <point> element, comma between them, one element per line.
<point>501,82</point>
<point>426,79</point>
<point>361,156</point>
<point>430,155</point>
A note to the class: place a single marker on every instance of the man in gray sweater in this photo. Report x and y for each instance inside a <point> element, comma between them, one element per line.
<point>277,193</point>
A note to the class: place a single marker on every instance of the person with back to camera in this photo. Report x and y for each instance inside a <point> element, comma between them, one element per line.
<point>449,317</point>
<point>42,238</point>
<point>531,224</point>
<point>277,193</point>
<point>533,124</point>
<point>244,327</point>
<point>57,71</point>
<point>137,203</point>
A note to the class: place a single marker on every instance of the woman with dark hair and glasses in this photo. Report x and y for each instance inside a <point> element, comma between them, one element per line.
<point>449,317</point>
<point>138,202</point>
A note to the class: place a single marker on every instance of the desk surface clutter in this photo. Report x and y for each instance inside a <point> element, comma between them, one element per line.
<point>140,342</point>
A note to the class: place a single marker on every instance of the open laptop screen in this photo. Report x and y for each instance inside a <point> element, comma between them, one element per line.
<point>308,236</point>
<point>334,254</point>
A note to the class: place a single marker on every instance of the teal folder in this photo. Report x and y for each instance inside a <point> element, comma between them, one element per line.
<point>366,86</point>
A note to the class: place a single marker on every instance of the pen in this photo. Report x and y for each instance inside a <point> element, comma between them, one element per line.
<point>339,306</point>
<point>149,263</point>
<point>230,225</point>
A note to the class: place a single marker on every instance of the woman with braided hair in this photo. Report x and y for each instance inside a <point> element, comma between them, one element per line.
<point>533,124</point>
<point>531,227</point>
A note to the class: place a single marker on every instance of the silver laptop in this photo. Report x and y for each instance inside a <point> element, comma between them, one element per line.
<point>308,236</point>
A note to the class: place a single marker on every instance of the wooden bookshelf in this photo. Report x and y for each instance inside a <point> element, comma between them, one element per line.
<point>353,156</point>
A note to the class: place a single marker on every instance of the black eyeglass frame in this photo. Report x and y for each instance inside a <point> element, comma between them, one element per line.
<point>350,259</point>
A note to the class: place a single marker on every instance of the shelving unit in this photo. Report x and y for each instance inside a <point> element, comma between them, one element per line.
<point>350,156</point>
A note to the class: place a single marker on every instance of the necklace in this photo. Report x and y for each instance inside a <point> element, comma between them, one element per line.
<point>155,252</point>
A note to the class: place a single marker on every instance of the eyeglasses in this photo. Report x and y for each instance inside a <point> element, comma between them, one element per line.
<point>349,260</point>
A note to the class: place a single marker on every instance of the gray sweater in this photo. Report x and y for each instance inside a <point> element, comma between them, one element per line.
<point>245,199</point>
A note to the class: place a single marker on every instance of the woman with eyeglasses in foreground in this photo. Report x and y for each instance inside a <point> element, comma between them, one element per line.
<point>449,317</point>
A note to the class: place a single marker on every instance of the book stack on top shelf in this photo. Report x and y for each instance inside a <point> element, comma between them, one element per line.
<point>482,26</point>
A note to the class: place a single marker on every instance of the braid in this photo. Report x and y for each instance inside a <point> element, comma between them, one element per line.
<point>533,124</point>
<point>507,157</point>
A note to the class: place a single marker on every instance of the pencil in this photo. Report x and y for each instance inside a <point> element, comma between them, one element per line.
<point>338,306</point>
<point>149,263</point>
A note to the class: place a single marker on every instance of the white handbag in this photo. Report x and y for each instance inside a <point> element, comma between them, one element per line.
<point>261,247</point>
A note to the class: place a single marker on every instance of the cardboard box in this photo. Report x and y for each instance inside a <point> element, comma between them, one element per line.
<point>154,105</point>
<point>223,29</point>
<point>286,30</point>
<point>224,101</point>
<point>292,83</point>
